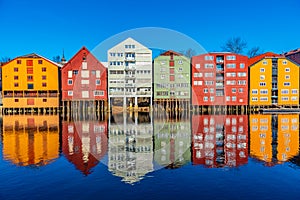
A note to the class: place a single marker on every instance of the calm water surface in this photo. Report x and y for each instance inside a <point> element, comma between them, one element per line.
<point>141,156</point>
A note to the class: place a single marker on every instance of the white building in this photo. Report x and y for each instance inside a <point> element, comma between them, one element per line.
<point>129,75</point>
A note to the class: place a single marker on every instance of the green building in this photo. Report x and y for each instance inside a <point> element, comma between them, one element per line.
<point>172,81</point>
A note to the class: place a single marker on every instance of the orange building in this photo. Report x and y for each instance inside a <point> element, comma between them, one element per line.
<point>274,81</point>
<point>30,140</point>
<point>30,81</point>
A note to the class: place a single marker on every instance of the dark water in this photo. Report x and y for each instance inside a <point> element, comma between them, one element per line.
<point>141,156</point>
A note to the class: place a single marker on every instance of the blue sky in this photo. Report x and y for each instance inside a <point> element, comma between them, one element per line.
<point>47,27</point>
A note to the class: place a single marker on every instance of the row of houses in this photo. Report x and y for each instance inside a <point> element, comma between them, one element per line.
<point>132,80</point>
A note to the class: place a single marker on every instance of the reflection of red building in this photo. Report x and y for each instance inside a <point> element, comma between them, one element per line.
<point>84,143</point>
<point>220,140</point>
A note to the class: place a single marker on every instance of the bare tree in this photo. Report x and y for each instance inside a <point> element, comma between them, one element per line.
<point>234,45</point>
<point>5,59</point>
<point>189,52</point>
<point>56,59</point>
<point>254,51</point>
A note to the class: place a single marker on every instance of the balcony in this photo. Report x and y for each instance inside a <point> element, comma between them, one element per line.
<point>219,85</point>
<point>220,60</point>
<point>130,76</point>
<point>143,93</point>
<point>129,68</point>
<point>130,59</point>
<point>129,85</point>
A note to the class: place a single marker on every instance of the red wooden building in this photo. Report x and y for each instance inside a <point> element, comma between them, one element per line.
<point>84,143</point>
<point>84,81</point>
<point>220,140</point>
<point>220,79</point>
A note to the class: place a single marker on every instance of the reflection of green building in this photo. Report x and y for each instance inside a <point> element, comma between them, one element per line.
<point>172,79</point>
<point>172,143</point>
<point>130,153</point>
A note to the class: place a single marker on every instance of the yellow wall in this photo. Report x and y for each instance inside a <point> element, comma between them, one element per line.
<point>28,147</point>
<point>288,137</point>
<point>52,81</point>
<point>261,137</point>
<point>255,79</point>
<point>294,80</point>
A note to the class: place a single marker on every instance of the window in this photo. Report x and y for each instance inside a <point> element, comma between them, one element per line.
<point>287,77</point>
<point>241,90</point>
<point>180,69</point>
<point>16,77</point>
<point>209,66</point>
<point>284,98</point>
<point>254,99</point>
<point>287,69</point>
<point>30,78</point>
<point>284,91</point>
<point>233,90</point>
<point>44,84</point>
<point>44,100</point>
<point>284,62</point>
<point>242,74</point>
<point>180,62</point>
<point>30,70</point>
<point>16,100</point>
<point>233,98</point>
<point>70,93</point>
<point>70,82</point>
<point>16,84</point>
<point>231,74</point>
<point>208,74</point>
<point>262,77</point>
<point>205,98</point>
<point>205,90</point>
<point>286,84</point>
<point>265,62</point>
<point>263,98</point>
<point>16,69</point>
<point>209,58</point>
<point>172,78</point>
<point>230,82</point>
<point>294,91</point>
<point>40,62</point>
<point>85,94</point>
<point>254,91</point>
<point>231,66</point>
<point>162,76</point>
<point>19,62</point>
<point>212,99</point>
<point>227,98</point>
<point>44,77</point>
<point>242,65</point>
<point>262,84</point>
<point>264,91</point>
<point>98,82</point>
<point>84,65</point>
<point>75,72</point>
<point>211,90</point>
<point>294,98</point>
<point>231,57</point>
<point>98,93</point>
<point>44,69</point>
<point>197,66</point>
<point>262,69</point>
<point>29,62</point>
<point>30,86</point>
<point>209,82</point>
<point>243,82</point>
<point>98,73</point>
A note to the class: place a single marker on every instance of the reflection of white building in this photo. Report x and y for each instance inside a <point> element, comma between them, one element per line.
<point>130,147</point>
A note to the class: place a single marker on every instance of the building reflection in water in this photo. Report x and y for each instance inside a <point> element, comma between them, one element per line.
<point>274,138</point>
<point>220,140</point>
<point>130,154</point>
<point>30,140</point>
<point>84,143</point>
<point>172,139</point>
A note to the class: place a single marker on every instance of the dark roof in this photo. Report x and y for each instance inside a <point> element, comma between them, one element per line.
<point>255,59</point>
<point>292,52</point>
<point>169,52</point>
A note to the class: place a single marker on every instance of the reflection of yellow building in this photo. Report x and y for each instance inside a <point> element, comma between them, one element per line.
<point>274,136</point>
<point>261,137</point>
<point>288,137</point>
<point>30,140</point>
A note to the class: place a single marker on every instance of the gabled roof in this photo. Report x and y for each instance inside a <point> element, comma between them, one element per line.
<point>292,52</point>
<point>33,55</point>
<point>87,54</point>
<point>255,59</point>
<point>169,52</point>
<point>131,41</point>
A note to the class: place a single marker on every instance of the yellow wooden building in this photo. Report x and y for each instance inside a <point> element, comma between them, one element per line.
<point>30,139</point>
<point>30,81</point>
<point>274,81</point>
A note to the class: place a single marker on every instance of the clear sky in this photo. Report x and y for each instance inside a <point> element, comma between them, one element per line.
<point>46,27</point>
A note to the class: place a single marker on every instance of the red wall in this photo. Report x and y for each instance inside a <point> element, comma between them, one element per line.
<point>198,90</point>
<point>75,64</point>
